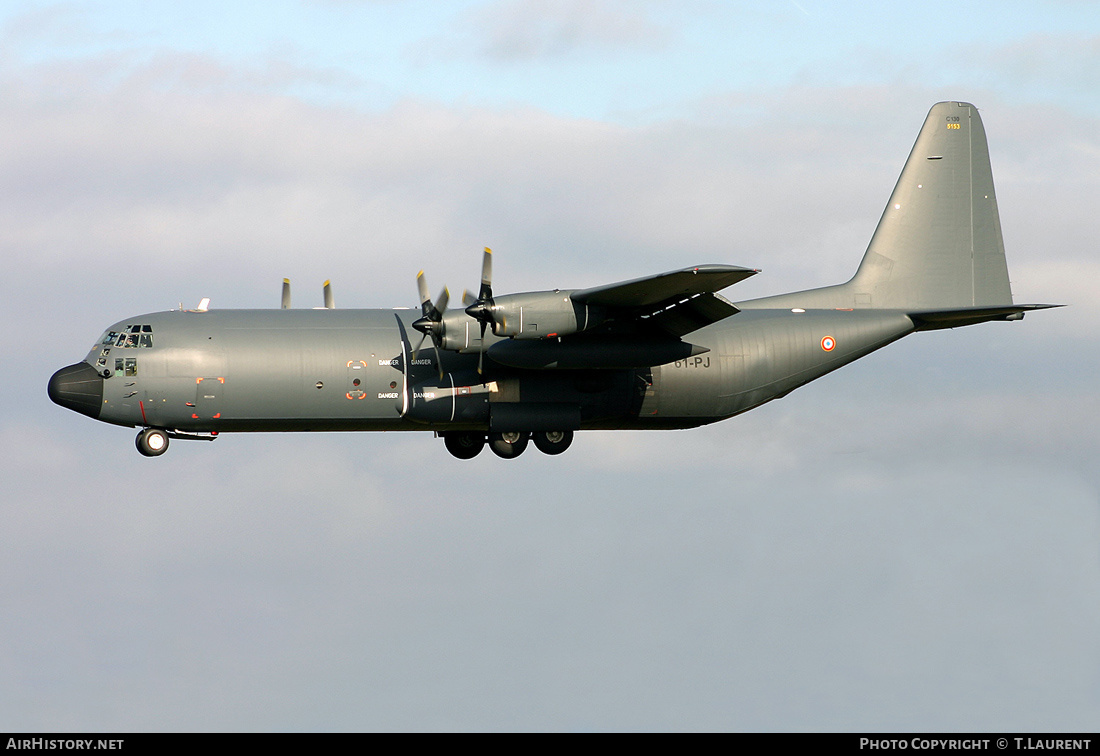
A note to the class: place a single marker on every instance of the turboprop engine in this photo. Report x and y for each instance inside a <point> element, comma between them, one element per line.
<point>530,315</point>
<point>541,314</point>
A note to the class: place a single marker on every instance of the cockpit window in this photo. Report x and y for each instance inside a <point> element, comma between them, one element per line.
<point>130,337</point>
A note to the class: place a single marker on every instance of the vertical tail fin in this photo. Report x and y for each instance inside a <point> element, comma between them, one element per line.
<point>938,245</point>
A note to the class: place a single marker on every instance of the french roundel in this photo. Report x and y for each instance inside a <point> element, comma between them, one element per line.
<point>828,343</point>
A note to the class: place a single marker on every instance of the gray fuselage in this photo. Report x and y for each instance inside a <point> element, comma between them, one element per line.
<point>316,370</point>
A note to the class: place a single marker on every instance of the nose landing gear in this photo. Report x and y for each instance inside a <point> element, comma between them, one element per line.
<point>152,442</point>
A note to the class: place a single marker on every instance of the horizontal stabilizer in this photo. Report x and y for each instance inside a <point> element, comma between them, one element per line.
<point>931,320</point>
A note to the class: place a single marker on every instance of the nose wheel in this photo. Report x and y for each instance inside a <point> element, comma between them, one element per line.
<point>152,442</point>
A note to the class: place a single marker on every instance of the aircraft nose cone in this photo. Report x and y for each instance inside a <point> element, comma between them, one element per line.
<point>79,388</point>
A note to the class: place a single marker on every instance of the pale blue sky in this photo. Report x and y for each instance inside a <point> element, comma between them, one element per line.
<point>608,59</point>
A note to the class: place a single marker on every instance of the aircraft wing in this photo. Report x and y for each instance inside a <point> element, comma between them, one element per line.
<point>675,303</point>
<point>664,287</point>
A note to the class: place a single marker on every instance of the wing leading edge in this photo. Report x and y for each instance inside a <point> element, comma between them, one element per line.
<point>664,287</point>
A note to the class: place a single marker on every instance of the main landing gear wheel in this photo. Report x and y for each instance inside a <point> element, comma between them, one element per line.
<point>508,445</point>
<point>553,442</point>
<point>464,444</point>
<point>152,442</point>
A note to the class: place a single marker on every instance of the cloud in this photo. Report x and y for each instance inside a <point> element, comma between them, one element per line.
<point>309,582</point>
<point>515,31</point>
<point>1058,64</point>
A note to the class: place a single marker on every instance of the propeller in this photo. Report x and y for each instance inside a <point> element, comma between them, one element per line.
<point>431,320</point>
<point>481,309</point>
<point>286,293</point>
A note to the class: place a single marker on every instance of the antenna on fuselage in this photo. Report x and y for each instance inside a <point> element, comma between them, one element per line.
<point>286,293</point>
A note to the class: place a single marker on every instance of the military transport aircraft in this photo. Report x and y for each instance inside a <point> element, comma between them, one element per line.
<point>665,351</point>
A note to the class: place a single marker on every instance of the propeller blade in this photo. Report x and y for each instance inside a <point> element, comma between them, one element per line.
<point>425,297</point>
<point>417,349</point>
<point>481,349</point>
<point>286,293</point>
<point>403,403</point>
<point>329,303</point>
<point>431,321</point>
<point>467,298</point>
<point>481,309</point>
<point>486,293</point>
<point>441,304</point>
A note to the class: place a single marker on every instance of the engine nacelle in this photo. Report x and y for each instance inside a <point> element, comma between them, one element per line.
<point>461,333</point>
<point>542,314</point>
<point>527,316</point>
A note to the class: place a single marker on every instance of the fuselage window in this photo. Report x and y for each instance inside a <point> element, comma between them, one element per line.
<point>131,366</point>
<point>118,366</point>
